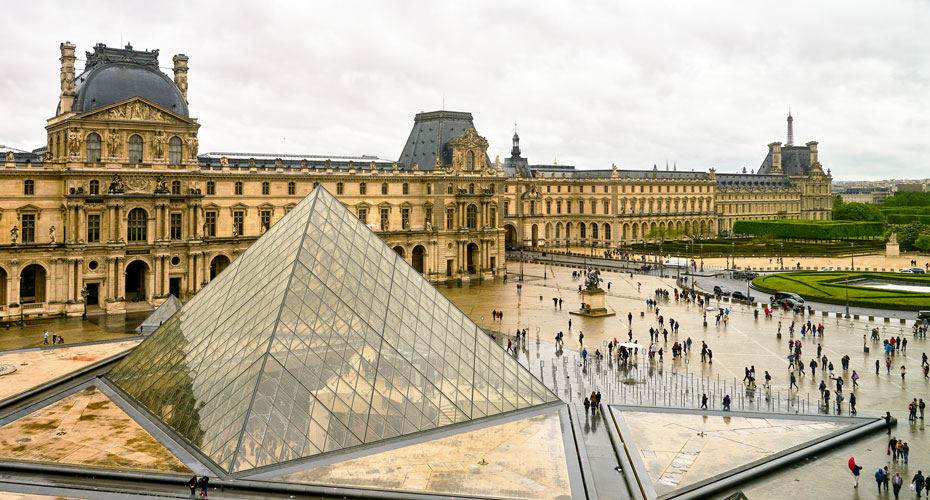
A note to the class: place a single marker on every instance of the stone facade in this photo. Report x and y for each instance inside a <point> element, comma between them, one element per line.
<point>121,207</point>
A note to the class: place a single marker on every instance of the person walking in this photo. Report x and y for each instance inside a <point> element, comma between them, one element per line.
<point>704,401</point>
<point>919,482</point>
<point>887,418</point>
<point>920,406</point>
<point>580,337</point>
<point>852,403</point>
<point>880,479</point>
<point>45,342</point>
<point>794,382</point>
<point>204,484</point>
<point>584,357</point>
<point>903,372</point>
<point>855,379</point>
<point>192,484</point>
<point>896,482</point>
<point>726,403</point>
<point>587,406</point>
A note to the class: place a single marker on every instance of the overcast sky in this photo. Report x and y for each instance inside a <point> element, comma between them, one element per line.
<point>588,83</point>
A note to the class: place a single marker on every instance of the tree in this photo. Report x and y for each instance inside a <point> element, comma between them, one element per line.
<point>662,233</point>
<point>837,203</point>
<point>907,235</point>
<point>857,211</point>
<point>923,242</point>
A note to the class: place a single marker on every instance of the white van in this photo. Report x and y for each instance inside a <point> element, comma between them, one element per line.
<point>677,262</point>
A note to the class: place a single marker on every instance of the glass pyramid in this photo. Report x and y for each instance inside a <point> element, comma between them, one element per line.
<point>318,338</point>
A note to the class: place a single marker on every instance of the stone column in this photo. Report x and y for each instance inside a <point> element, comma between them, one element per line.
<point>120,277</point>
<point>165,288</point>
<point>156,277</point>
<point>69,283</point>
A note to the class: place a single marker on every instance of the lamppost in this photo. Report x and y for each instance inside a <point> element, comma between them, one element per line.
<point>702,257</point>
<point>852,256</point>
<point>733,252</point>
<point>84,293</point>
<point>781,257</point>
<point>521,264</point>
<point>846,287</point>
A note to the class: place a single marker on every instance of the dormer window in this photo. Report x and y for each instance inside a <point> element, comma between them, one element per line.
<point>135,149</point>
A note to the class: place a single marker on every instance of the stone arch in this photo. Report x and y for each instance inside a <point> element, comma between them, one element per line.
<point>218,264</point>
<point>594,231</point>
<point>400,251</point>
<point>473,258</point>
<point>418,256</point>
<point>33,283</point>
<point>548,233</point>
<point>4,282</point>
<point>137,274</point>
<point>535,233</point>
<point>510,236</point>
<point>607,233</point>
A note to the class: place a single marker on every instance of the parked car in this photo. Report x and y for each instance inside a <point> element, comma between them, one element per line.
<point>789,303</point>
<point>827,269</point>
<point>781,296</point>
<point>745,275</point>
<point>721,290</point>
<point>923,316</point>
<point>742,297</point>
<point>913,270</point>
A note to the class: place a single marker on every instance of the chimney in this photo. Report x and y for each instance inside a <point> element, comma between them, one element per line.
<point>66,98</point>
<point>775,151</point>
<point>813,147</point>
<point>180,74</point>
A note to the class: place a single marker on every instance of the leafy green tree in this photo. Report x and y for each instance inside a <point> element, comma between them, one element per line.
<point>837,203</point>
<point>923,242</point>
<point>907,235</point>
<point>857,211</point>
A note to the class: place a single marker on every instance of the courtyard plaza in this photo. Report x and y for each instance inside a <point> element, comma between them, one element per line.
<point>744,341</point>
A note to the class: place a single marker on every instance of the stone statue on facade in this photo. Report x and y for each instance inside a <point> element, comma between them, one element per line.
<point>9,157</point>
<point>113,143</point>
<point>235,231</point>
<point>51,234</point>
<point>116,185</point>
<point>74,142</point>
<point>14,234</point>
<point>224,162</point>
<point>161,184</point>
<point>429,225</point>
<point>158,143</point>
<point>593,281</point>
<point>192,146</point>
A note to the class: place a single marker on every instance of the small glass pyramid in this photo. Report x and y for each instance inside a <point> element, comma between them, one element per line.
<point>318,338</point>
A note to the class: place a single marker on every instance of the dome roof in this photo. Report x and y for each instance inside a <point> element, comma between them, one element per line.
<point>114,75</point>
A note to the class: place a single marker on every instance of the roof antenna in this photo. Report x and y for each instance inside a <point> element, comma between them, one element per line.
<point>443,102</point>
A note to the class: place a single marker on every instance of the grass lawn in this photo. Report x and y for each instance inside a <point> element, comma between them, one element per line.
<point>828,286</point>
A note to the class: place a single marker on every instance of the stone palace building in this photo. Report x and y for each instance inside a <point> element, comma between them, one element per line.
<point>120,209</point>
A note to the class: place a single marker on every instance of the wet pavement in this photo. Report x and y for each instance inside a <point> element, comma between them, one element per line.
<point>73,330</point>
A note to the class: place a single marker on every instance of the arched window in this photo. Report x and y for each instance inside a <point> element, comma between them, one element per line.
<point>362,188</point>
<point>607,231</point>
<point>470,160</point>
<point>338,188</point>
<point>238,188</point>
<point>429,188</point>
<point>135,149</point>
<point>471,217</point>
<point>92,148</point>
<point>266,188</point>
<point>94,187</point>
<point>594,231</point>
<point>384,188</point>
<point>175,187</point>
<point>406,188</point>
<point>138,225</point>
<point>471,189</point>
<point>291,188</point>
<point>29,186</point>
<point>449,188</point>
<point>174,151</point>
<point>211,187</point>
<point>582,231</point>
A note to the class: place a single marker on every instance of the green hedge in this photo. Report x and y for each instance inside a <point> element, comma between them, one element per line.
<point>810,229</point>
<point>829,287</point>
<point>751,247</point>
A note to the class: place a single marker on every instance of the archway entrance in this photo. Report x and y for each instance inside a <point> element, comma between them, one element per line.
<point>32,284</point>
<point>400,251</point>
<point>136,274</point>
<point>510,239</point>
<point>535,235</point>
<point>3,279</point>
<point>217,265</point>
<point>472,257</point>
<point>418,257</point>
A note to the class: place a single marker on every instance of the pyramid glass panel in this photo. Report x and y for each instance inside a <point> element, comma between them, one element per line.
<point>317,339</point>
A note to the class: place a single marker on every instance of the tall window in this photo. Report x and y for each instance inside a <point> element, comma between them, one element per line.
<point>471,189</point>
<point>265,217</point>
<point>94,187</point>
<point>568,207</point>
<point>470,160</point>
<point>209,223</point>
<point>338,188</point>
<point>93,228</point>
<point>493,218</point>
<point>362,188</point>
<point>558,207</point>
<point>405,219</point>
<point>238,187</point>
<point>238,222</point>
<point>266,188</point>
<point>29,186</point>
<point>29,228</point>
<point>174,227</point>
<point>582,229</point>
<point>385,214</point>
<point>291,188</point>
<point>384,189</point>
<point>174,151</point>
<point>532,208</point>
<point>175,187</point>
<point>211,187</point>
<point>135,149</point>
<point>471,217</point>
<point>406,188</point>
<point>450,218</point>
<point>363,215</point>
<point>548,207</point>
<point>92,148</point>
<point>429,188</point>
<point>594,207</point>
<point>581,206</point>
<point>606,207</point>
<point>507,207</point>
<point>138,225</point>
<point>449,188</point>
<point>428,212</point>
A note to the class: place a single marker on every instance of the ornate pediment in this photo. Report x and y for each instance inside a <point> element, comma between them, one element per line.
<point>135,109</point>
<point>470,139</point>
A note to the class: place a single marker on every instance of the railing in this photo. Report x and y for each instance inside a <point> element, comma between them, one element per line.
<point>33,306</point>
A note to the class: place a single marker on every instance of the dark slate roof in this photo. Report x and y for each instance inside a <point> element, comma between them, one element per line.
<point>430,136</point>
<point>114,75</point>
<point>571,172</point>
<point>752,181</point>
<point>296,161</point>
<point>795,160</point>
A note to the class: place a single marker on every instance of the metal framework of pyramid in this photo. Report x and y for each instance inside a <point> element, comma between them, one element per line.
<point>318,338</point>
<point>160,315</point>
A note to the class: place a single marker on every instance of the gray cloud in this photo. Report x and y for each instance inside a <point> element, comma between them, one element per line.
<point>590,83</point>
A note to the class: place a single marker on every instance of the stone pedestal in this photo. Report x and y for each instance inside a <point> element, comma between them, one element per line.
<point>892,249</point>
<point>593,305</point>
